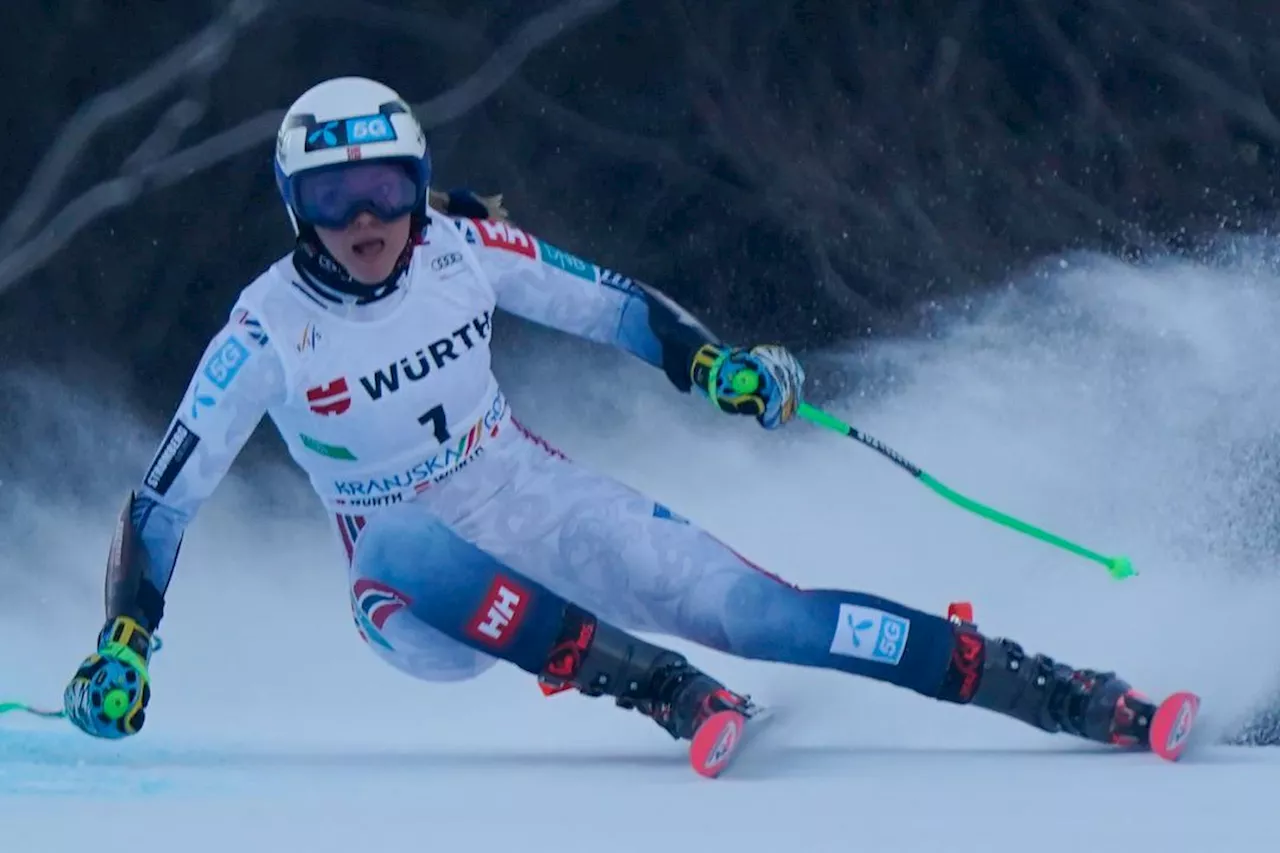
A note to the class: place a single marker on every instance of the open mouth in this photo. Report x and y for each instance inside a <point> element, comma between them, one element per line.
<point>369,248</point>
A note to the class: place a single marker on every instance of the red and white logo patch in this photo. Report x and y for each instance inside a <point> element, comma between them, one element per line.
<point>331,399</point>
<point>499,617</point>
<point>378,601</point>
<point>500,235</point>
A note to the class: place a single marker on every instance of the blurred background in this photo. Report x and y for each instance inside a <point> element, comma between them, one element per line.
<point>800,171</point>
<point>833,175</point>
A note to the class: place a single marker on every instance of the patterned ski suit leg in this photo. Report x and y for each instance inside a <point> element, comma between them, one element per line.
<point>382,616</point>
<point>426,573</point>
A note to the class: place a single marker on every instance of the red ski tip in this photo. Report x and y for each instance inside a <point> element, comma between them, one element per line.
<point>715,742</point>
<point>1172,724</point>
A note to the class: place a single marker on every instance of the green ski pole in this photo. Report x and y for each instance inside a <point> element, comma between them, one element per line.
<point>746,382</point>
<point>6,707</point>
<point>1119,567</point>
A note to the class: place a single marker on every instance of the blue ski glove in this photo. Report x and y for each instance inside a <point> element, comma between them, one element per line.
<point>108,695</point>
<point>764,381</point>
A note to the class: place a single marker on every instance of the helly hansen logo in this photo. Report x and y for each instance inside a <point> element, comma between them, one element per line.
<point>499,617</point>
<point>500,235</point>
<point>333,398</point>
<point>437,354</point>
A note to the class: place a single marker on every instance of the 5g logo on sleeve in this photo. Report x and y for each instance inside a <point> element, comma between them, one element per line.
<point>225,363</point>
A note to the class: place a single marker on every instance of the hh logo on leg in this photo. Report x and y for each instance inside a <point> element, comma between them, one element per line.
<point>863,632</point>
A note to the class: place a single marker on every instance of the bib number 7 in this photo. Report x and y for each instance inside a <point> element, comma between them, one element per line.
<point>436,419</point>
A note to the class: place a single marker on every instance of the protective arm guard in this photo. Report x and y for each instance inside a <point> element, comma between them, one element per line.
<point>108,695</point>
<point>129,590</point>
<point>680,335</point>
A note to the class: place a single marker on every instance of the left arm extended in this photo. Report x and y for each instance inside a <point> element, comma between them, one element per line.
<point>547,285</point>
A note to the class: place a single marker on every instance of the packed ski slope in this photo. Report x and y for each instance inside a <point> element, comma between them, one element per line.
<point>1133,411</point>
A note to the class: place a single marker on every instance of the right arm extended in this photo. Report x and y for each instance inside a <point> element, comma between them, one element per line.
<point>238,378</point>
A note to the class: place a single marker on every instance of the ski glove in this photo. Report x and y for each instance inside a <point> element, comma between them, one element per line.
<point>108,694</point>
<point>764,381</point>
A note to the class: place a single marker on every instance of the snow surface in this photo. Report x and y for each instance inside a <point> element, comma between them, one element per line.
<point>1130,410</point>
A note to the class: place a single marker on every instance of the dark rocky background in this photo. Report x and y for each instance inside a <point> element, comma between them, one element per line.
<point>791,170</point>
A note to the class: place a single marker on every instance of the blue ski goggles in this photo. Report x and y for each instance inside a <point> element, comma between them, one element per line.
<point>333,197</point>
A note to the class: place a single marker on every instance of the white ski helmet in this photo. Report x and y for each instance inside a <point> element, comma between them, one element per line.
<point>344,120</point>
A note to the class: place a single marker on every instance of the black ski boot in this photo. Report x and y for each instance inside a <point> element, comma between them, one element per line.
<point>996,674</point>
<point>600,660</point>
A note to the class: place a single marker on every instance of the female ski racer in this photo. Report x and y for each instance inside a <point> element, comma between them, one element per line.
<point>468,539</point>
